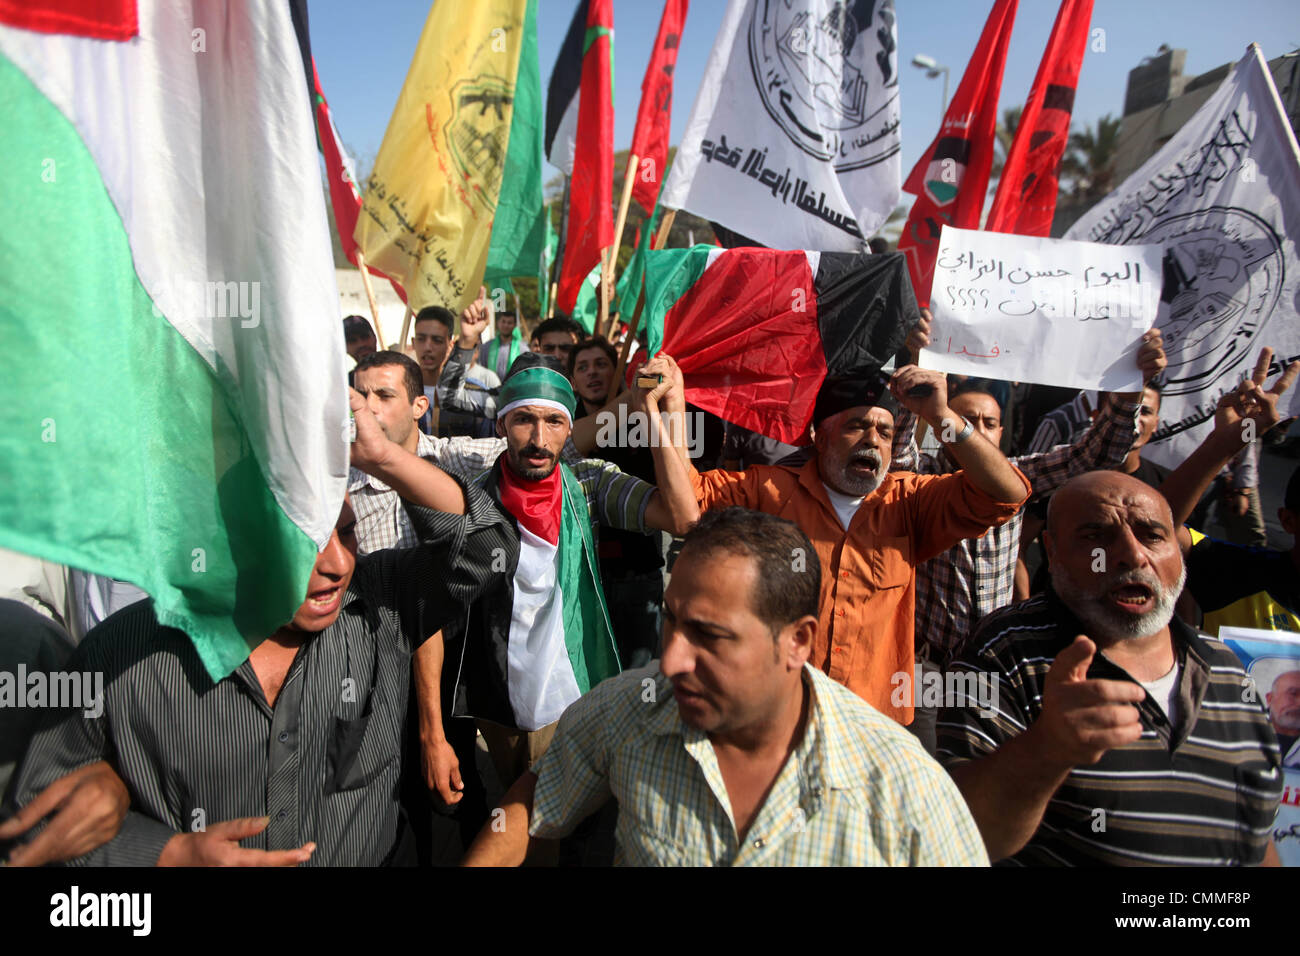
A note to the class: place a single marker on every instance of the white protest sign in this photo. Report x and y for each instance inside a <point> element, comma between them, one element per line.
<point>1050,311</point>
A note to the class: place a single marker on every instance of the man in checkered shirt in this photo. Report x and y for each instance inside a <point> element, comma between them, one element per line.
<point>731,750</point>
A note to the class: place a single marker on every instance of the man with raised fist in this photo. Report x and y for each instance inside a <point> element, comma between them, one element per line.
<point>1118,736</point>
<point>871,527</point>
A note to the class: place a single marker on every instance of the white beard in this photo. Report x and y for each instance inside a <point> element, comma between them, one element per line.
<point>1105,622</point>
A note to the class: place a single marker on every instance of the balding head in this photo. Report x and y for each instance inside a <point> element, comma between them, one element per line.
<point>1284,703</point>
<point>1114,554</point>
<point>1093,487</point>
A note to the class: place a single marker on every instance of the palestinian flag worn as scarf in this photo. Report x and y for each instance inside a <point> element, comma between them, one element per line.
<point>560,643</point>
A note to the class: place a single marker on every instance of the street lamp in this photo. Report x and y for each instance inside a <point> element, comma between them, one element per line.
<point>932,70</point>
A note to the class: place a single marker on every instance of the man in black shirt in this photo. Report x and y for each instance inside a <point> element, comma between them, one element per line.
<point>295,757</point>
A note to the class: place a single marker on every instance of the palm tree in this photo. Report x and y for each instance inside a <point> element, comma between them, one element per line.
<point>1005,133</point>
<point>1089,160</point>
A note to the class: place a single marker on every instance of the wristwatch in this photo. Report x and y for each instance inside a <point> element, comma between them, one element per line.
<point>964,433</point>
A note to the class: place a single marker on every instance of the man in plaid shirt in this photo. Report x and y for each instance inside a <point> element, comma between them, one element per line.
<point>975,576</point>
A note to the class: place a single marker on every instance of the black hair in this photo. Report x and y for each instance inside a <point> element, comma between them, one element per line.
<point>558,324</point>
<point>357,327</point>
<point>973,386</point>
<point>410,371</point>
<point>594,342</point>
<point>436,313</point>
<point>788,584</point>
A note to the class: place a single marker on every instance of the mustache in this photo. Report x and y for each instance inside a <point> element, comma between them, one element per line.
<point>534,451</point>
<point>1147,579</point>
<point>871,456</point>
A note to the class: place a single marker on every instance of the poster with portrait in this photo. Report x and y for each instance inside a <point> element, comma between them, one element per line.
<point>1272,662</point>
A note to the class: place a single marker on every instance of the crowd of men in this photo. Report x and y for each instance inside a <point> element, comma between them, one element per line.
<point>928,638</point>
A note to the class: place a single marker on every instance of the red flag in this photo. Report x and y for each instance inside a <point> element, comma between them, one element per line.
<point>98,19</point>
<point>591,196</point>
<point>952,176</point>
<point>344,195</point>
<point>1026,198</point>
<point>653,119</point>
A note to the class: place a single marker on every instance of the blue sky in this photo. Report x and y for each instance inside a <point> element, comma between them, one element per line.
<point>363,51</point>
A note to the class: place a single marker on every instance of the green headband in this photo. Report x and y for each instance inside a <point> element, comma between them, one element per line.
<point>536,385</point>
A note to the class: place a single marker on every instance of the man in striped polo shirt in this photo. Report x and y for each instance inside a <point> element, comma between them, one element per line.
<point>1118,736</point>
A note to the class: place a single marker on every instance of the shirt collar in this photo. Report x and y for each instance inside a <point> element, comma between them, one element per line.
<point>1185,638</point>
<point>425,447</point>
<point>358,479</point>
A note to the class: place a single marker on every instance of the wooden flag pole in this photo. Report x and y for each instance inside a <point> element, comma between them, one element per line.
<point>370,294</point>
<point>665,227</point>
<point>627,342</point>
<point>620,223</point>
<point>550,301</point>
<point>606,271</point>
<point>406,328</point>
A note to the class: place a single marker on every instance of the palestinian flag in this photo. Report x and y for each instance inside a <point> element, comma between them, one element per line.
<point>174,414</point>
<point>580,109</point>
<point>755,331</point>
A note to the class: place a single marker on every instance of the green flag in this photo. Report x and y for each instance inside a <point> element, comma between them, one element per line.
<point>587,307</point>
<point>544,263</point>
<point>518,229</point>
<point>628,290</point>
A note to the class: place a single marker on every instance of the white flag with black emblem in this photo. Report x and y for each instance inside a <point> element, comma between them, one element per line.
<point>794,137</point>
<point>1223,197</point>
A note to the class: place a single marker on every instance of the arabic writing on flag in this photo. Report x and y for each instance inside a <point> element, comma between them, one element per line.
<point>798,111</point>
<point>1219,197</point>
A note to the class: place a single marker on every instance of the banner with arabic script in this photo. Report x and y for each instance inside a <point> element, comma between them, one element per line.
<point>794,136</point>
<point>426,219</point>
<point>1223,197</point>
<point>1026,309</point>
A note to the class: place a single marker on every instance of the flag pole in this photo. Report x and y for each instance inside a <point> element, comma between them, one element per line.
<point>606,271</point>
<point>631,334</point>
<point>561,244</point>
<point>370,294</point>
<point>665,227</point>
<point>406,327</point>
<point>657,243</point>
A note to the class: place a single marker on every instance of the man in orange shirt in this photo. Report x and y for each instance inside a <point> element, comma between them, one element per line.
<point>871,528</point>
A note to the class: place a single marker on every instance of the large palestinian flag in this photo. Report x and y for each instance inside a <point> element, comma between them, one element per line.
<point>580,110</point>
<point>173,413</point>
<point>756,331</point>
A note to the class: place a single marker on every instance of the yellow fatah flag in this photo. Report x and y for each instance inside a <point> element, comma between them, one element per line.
<point>426,219</point>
